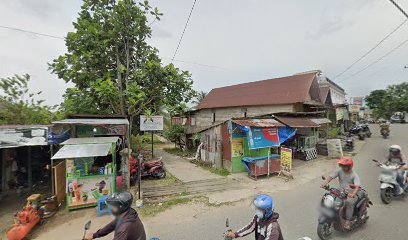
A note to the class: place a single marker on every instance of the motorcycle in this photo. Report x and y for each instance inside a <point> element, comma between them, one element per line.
<point>153,168</point>
<point>358,131</point>
<point>390,188</point>
<point>366,130</point>
<point>385,130</point>
<point>332,211</point>
<point>349,143</point>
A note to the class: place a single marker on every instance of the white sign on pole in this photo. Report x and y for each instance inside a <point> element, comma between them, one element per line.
<point>151,123</point>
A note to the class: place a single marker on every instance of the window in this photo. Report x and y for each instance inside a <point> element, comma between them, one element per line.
<point>213,117</point>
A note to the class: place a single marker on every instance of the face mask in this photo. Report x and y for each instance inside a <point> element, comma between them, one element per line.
<point>259,213</point>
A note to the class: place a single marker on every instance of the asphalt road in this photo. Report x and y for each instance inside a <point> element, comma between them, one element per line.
<point>298,206</point>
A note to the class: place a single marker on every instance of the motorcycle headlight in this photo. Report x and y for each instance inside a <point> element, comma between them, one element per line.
<point>328,201</point>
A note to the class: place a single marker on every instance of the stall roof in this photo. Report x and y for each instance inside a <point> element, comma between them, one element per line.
<point>12,136</point>
<point>84,150</point>
<point>91,140</point>
<point>94,121</point>
<point>258,122</point>
<point>320,120</point>
<point>297,122</point>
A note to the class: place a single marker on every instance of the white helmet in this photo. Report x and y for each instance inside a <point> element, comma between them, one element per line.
<point>396,147</point>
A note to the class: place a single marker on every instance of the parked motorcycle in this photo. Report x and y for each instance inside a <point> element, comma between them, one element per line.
<point>366,130</point>
<point>358,131</point>
<point>390,188</point>
<point>153,168</point>
<point>349,146</point>
<point>332,211</point>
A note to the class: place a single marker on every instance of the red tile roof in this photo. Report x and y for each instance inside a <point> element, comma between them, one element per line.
<point>284,90</point>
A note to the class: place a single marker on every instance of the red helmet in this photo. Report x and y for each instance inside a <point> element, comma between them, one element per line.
<point>345,161</point>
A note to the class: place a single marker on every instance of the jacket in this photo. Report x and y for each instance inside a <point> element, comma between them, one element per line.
<point>127,228</point>
<point>265,229</point>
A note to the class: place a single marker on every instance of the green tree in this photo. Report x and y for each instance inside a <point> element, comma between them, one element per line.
<point>199,97</point>
<point>19,106</point>
<point>113,68</point>
<point>385,102</point>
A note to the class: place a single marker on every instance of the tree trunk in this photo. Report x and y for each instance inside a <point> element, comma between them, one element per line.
<point>120,84</point>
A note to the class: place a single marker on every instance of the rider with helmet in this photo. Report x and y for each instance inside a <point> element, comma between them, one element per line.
<point>395,156</point>
<point>264,223</point>
<point>347,178</point>
<point>127,224</point>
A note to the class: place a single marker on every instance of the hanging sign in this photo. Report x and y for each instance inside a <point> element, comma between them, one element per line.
<point>286,159</point>
<point>151,123</point>
<point>262,137</point>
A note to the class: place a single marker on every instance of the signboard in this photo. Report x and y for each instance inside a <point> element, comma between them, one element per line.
<point>151,123</point>
<point>237,147</point>
<point>354,108</point>
<point>262,137</point>
<point>334,148</point>
<point>286,159</point>
<point>356,101</point>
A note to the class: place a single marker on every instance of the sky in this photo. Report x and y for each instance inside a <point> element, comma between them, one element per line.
<point>228,41</point>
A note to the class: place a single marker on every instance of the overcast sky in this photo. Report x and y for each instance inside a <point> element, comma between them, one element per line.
<point>235,41</point>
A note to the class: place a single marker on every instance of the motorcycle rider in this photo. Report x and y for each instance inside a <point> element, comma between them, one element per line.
<point>395,156</point>
<point>264,223</point>
<point>127,224</point>
<point>347,177</point>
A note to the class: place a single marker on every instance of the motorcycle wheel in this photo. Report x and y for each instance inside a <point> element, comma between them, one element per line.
<point>368,134</point>
<point>160,173</point>
<point>324,231</point>
<point>361,136</point>
<point>386,195</point>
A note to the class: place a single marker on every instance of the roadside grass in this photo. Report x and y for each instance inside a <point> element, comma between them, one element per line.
<point>152,209</point>
<point>170,179</point>
<point>219,171</point>
<point>179,152</point>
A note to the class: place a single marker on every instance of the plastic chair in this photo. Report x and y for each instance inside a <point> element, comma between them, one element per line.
<point>102,206</point>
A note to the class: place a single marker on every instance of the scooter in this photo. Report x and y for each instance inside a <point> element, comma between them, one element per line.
<point>349,143</point>
<point>332,211</point>
<point>358,130</point>
<point>153,168</point>
<point>390,188</point>
<point>385,130</point>
<point>366,130</point>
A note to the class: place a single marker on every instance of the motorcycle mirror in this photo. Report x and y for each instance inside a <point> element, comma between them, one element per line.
<point>375,160</point>
<point>323,177</point>
<point>88,225</point>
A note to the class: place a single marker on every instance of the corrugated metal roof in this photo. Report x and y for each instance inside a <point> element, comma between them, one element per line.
<point>324,91</point>
<point>23,126</point>
<point>258,122</point>
<point>285,90</point>
<point>91,140</point>
<point>94,121</point>
<point>320,120</point>
<point>24,135</point>
<point>84,150</point>
<point>297,122</point>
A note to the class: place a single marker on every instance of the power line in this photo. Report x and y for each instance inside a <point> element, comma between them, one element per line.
<point>376,61</point>
<point>185,27</point>
<point>399,8</point>
<point>30,32</point>
<point>372,49</point>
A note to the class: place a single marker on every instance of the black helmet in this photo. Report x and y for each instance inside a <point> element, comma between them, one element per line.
<point>123,201</point>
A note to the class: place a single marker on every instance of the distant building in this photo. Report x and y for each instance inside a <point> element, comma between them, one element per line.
<point>296,93</point>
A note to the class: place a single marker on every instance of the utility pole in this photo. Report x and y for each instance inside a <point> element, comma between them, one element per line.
<point>399,8</point>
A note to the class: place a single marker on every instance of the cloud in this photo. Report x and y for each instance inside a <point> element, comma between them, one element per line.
<point>329,27</point>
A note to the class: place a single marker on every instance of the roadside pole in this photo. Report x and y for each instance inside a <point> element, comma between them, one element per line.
<point>152,144</point>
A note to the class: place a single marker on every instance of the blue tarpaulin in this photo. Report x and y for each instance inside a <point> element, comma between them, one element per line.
<point>268,137</point>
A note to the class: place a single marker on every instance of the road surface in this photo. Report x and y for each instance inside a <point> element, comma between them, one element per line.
<point>298,206</point>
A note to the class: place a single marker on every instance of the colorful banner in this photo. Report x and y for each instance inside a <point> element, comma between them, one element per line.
<point>263,137</point>
<point>286,159</point>
<point>237,147</point>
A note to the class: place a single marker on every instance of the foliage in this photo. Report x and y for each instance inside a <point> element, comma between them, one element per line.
<point>113,68</point>
<point>19,106</point>
<point>199,97</point>
<point>385,102</point>
<point>174,134</point>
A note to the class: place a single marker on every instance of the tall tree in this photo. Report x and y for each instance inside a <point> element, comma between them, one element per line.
<point>393,99</point>
<point>20,106</point>
<point>199,97</point>
<point>113,68</point>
